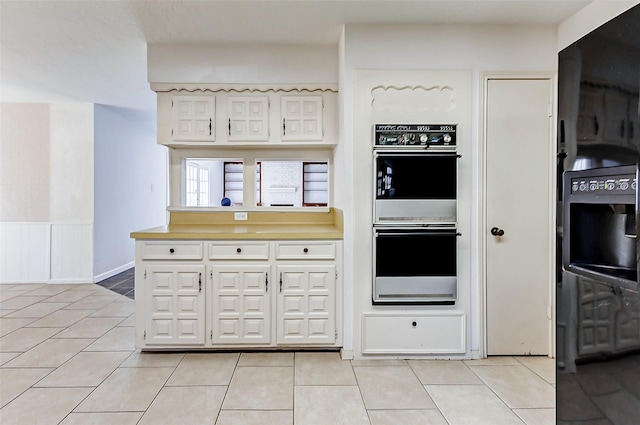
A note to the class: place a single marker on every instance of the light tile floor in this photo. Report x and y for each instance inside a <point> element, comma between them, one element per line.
<point>67,357</point>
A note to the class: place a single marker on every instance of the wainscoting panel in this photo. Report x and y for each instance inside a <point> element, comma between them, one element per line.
<point>71,253</point>
<point>39,252</point>
<point>24,252</point>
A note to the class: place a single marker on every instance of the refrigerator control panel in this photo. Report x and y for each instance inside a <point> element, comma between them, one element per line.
<point>610,185</point>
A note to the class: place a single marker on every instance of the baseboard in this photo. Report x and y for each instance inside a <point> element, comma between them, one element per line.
<point>23,282</point>
<point>113,272</point>
<point>346,354</point>
<point>73,280</point>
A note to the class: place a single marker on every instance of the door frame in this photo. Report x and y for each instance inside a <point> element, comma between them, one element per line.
<point>483,226</point>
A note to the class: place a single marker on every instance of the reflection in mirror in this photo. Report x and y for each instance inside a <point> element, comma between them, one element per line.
<point>212,182</point>
<point>290,183</point>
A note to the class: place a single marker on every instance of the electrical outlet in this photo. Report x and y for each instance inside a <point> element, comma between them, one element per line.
<point>240,216</point>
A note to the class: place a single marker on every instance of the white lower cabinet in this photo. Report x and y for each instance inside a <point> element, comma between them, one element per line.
<point>174,304</point>
<point>254,294</point>
<point>306,304</point>
<point>241,304</point>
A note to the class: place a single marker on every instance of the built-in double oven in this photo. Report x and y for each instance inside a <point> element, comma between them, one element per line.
<point>415,235</point>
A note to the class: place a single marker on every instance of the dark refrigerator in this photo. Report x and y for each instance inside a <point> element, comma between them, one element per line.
<point>597,297</point>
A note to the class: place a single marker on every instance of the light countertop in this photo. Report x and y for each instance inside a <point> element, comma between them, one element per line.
<point>269,225</point>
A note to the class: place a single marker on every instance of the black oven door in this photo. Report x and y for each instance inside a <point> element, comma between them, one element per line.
<point>415,187</point>
<point>415,266</point>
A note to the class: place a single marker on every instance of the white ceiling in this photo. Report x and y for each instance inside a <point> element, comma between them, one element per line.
<point>95,50</point>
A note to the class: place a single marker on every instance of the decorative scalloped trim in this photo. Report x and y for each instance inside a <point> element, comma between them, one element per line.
<point>413,98</point>
<point>190,87</point>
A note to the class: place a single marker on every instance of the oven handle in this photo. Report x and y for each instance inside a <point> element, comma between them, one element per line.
<point>419,233</point>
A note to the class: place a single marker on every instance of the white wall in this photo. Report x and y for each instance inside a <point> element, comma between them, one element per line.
<point>243,64</point>
<point>46,204</point>
<point>24,160</point>
<point>58,222</point>
<point>130,185</point>
<point>589,18</point>
<point>475,48</point>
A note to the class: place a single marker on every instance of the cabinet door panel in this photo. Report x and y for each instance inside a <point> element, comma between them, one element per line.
<point>301,118</point>
<point>306,304</point>
<point>242,305</point>
<point>193,118</point>
<point>248,118</point>
<point>175,304</point>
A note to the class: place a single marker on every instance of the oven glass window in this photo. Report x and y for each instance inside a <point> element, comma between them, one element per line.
<point>415,254</point>
<point>416,176</point>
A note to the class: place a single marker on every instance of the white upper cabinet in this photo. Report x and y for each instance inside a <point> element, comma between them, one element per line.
<point>193,118</point>
<point>302,118</point>
<point>248,118</point>
<point>210,116</point>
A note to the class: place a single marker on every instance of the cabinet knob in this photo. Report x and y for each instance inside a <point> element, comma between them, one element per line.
<point>306,250</point>
<point>171,250</point>
<point>496,231</point>
<point>414,324</point>
<point>238,250</point>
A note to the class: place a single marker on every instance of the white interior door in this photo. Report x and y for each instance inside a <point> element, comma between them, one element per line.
<point>519,201</point>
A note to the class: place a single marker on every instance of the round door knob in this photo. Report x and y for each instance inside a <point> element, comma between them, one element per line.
<point>171,250</point>
<point>305,250</point>
<point>238,250</point>
<point>496,231</point>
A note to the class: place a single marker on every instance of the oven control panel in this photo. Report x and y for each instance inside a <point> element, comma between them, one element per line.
<point>613,185</point>
<point>416,135</point>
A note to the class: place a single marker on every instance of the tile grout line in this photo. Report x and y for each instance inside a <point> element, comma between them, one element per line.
<point>534,372</point>
<point>424,386</point>
<point>486,384</point>
<point>364,404</point>
<point>227,387</point>
<point>94,388</point>
<point>163,386</point>
<point>293,406</point>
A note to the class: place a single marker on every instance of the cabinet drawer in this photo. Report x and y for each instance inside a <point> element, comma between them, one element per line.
<point>437,333</point>
<point>164,250</point>
<point>304,251</point>
<point>239,251</point>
